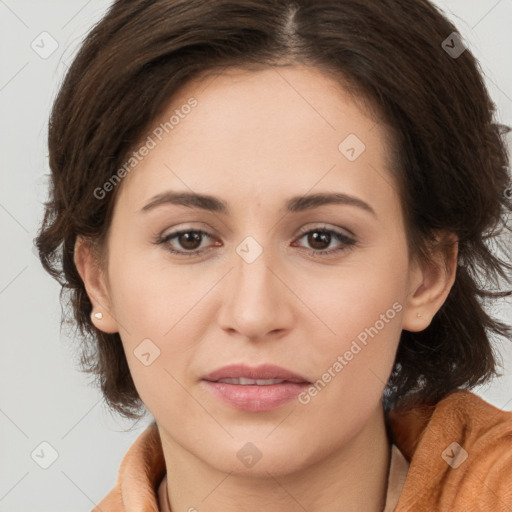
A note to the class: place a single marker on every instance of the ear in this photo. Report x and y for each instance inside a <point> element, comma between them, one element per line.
<point>430,283</point>
<point>95,283</point>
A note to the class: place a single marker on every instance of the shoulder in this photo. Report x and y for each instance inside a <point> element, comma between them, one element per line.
<point>460,454</point>
<point>140,473</point>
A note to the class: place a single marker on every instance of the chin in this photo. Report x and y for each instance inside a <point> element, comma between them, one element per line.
<point>256,459</point>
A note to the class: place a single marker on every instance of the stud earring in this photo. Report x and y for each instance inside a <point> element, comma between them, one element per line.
<point>418,315</point>
<point>98,315</point>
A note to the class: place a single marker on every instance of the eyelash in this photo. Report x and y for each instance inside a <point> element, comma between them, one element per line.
<point>347,241</point>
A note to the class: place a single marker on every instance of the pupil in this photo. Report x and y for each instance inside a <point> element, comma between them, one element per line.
<point>189,239</point>
<point>315,236</point>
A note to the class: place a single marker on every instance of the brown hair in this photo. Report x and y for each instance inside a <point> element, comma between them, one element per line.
<point>450,157</point>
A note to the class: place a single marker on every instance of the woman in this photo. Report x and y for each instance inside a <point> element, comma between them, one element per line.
<point>273,220</point>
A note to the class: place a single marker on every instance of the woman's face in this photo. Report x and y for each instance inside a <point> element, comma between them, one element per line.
<point>254,288</point>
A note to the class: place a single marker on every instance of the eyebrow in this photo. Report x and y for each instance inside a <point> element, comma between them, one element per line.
<point>293,205</point>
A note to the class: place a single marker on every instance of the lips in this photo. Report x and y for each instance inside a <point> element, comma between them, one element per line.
<point>242,374</point>
<point>243,381</point>
<point>254,389</point>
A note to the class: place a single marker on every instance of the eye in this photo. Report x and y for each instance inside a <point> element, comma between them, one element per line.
<point>318,238</point>
<point>189,239</point>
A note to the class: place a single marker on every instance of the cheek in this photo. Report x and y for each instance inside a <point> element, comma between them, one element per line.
<point>160,316</point>
<point>361,326</point>
<point>371,290</point>
<point>150,296</point>
<point>365,331</point>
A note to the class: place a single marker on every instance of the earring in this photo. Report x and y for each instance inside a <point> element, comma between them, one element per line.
<point>98,315</point>
<point>418,315</point>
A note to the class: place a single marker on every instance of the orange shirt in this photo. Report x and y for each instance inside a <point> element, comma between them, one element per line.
<point>453,456</point>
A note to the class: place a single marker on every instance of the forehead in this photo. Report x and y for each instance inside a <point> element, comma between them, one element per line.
<point>253,132</point>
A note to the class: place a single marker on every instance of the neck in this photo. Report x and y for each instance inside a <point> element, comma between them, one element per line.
<point>352,478</point>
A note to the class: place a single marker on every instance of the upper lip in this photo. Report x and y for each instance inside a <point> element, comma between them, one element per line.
<point>265,371</point>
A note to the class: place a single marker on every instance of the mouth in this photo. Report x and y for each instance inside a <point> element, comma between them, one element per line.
<point>243,374</point>
<point>243,381</point>
<point>255,389</point>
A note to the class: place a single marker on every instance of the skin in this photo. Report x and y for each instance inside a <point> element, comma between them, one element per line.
<point>256,139</point>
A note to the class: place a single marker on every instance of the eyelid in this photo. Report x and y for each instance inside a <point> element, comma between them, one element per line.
<point>325,227</point>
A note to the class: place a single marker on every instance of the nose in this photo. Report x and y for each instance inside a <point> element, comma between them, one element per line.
<point>257,302</point>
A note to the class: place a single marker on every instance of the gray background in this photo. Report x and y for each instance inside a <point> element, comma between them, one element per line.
<point>43,397</point>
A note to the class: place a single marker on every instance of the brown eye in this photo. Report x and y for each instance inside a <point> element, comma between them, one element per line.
<point>190,240</point>
<point>187,241</point>
<point>320,238</point>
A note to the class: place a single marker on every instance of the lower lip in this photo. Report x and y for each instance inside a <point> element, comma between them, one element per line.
<point>256,398</point>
